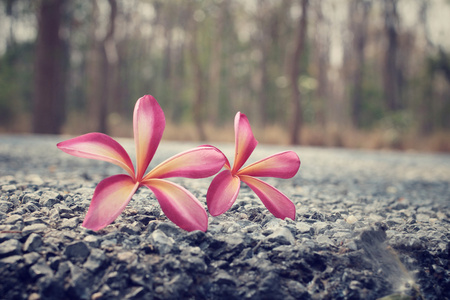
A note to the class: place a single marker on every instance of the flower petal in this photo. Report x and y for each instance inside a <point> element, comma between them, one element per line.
<point>179,205</point>
<point>244,139</point>
<point>98,146</point>
<point>275,201</point>
<point>227,163</point>
<point>280,165</point>
<point>198,162</point>
<point>110,198</point>
<point>222,192</point>
<point>148,125</point>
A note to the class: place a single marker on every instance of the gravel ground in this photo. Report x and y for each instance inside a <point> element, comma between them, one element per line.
<point>369,225</point>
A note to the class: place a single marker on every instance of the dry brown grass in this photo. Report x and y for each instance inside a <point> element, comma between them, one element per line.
<point>331,136</point>
<point>323,137</point>
<point>21,124</point>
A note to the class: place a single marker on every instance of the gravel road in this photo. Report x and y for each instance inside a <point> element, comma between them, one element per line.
<point>369,225</point>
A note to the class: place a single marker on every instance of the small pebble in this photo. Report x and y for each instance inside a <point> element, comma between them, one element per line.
<point>351,219</point>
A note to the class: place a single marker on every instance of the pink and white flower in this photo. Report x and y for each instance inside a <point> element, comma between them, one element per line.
<point>112,194</point>
<point>224,188</point>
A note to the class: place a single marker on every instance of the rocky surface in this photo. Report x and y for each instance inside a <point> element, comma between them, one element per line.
<point>369,225</point>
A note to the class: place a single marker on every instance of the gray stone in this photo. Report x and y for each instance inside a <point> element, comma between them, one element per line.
<point>9,232</point>
<point>282,236</point>
<point>108,243</point>
<point>127,257</point>
<point>62,208</point>
<point>30,207</point>
<point>303,227</point>
<point>33,242</point>
<point>9,188</point>
<point>70,223</point>
<point>35,179</point>
<point>168,229</point>
<point>92,241</point>
<point>63,269</point>
<point>193,257</point>
<point>11,260</point>
<point>35,228</point>
<point>10,247</point>
<point>77,251</point>
<point>222,277</point>
<point>117,280</point>
<point>54,262</point>
<point>136,293</point>
<point>31,258</point>
<point>13,219</point>
<point>48,199</point>
<point>40,269</point>
<point>31,197</point>
<point>80,283</point>
<point>323,239</point>
<point>320,227</point>
<point>33,220</point>
<point>161,242</point>
<point>424,218</point>
<point>5,206</point>
<point>130,229</point>
<point>297,290</point>
<point>54,215</point>
<point>351,245</point>
<point>401,204</point>
<point>7,179</point>
<point>96,260</point>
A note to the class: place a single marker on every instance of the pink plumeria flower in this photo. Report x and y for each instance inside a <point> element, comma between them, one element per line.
<point>114,193</point>
<point>224,188</point>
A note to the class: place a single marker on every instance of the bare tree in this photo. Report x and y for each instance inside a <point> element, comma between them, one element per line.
<point>321,59</point>
<point>50,78</point>
<point>215,69</point>
<point>359,11</point>
<point>295,68</point>
<point>392,72</point>
<point>102,63</point>
<point>263,40</point>
<point>199,82</point>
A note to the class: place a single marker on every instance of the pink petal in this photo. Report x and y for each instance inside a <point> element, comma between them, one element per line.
<point>199,162</point>
<point>280,165</point>
<point>244,139</point>
<point>98,146</point>
<point>227,163</point>
<point>179,205</point>
<point>110,198</point>
<point>275,201</point>
<point>148,125</point>
<point>222,192</point>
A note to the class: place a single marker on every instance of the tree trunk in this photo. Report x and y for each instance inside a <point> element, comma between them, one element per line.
<point>49,77</point>
<point>199,82</point>
<point>321,58</point>
<point>215,69</point>
<point>299,47</point>
<point>111,58</point>
<point>359,15</point>
<point>103,57</point>
<point>392,75</point>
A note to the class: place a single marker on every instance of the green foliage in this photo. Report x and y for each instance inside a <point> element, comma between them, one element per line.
<point>373,106</point>
<point>16,82</point>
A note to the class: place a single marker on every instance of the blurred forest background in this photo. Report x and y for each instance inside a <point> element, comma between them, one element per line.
<point>342,73</point>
